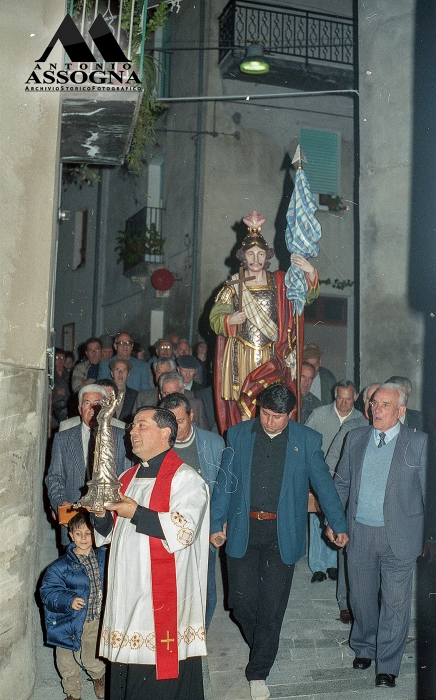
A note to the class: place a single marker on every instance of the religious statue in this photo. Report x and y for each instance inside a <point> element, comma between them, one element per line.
<point>104,486</point>
<point>256,328</point>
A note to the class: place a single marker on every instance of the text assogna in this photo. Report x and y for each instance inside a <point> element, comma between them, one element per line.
<point>97,75</point>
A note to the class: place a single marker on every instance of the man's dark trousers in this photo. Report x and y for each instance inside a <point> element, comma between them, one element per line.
<point>259,585</point>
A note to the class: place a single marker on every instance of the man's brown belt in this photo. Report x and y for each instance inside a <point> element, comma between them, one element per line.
<point>262,515</point>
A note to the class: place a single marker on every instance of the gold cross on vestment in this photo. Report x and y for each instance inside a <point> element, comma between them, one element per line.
<point>167,641</point>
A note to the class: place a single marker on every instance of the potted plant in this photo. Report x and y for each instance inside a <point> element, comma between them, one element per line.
<point>143,245</point>
<point>153,245</point>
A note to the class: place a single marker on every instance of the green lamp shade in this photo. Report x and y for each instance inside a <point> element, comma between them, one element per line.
<point>254,62</point>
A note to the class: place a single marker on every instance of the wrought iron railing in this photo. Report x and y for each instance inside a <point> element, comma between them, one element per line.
<point>304,35</point>
<point>144,219</point>
<point>143,236</point>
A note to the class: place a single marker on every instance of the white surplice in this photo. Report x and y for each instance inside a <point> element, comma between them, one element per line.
<point>128,626</point>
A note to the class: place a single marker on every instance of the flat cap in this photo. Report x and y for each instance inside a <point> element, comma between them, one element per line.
<point>188,362</point>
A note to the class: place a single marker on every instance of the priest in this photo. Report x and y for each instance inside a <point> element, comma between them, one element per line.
<point>153,628</point>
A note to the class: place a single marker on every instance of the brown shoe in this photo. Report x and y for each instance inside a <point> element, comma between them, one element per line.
<point>70,697</point>
<point>99,686</point>
<point>345,616</point>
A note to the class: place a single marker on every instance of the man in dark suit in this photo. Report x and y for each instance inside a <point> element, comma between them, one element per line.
<point>381,478</point>
<point>150,397</point>
<point>70,466</point>
<point>172,382</point>
<point>120,370</point>
<point>190,368</point>
<point>261,494</point>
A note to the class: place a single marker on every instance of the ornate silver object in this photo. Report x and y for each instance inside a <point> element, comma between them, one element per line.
<point>104,486</point>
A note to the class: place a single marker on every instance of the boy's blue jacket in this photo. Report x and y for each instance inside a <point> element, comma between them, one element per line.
<point>63,581</point>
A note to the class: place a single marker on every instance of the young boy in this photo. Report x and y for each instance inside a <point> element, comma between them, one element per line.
<point>72,591</point>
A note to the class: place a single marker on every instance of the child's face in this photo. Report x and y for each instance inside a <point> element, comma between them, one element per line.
<point>82,538</point>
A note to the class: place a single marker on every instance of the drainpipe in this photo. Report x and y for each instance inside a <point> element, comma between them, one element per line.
<point>356,208</point>
<point>98,226</point>
<point>197,167</point>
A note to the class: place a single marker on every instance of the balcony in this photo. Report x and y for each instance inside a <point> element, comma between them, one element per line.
<point>306,50</point>
<point>141,245</point>
<point>98,120</point>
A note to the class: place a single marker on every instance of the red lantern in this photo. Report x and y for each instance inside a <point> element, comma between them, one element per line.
<point>162,279</point>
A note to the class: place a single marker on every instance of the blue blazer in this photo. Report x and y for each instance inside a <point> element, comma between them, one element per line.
<point>210,449</point>
<point>304,463</point>
<point>66,476</point>
<point>404,502</point>
<point>63,581</point>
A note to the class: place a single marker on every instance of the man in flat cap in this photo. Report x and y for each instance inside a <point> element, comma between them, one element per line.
<point>188,366</point>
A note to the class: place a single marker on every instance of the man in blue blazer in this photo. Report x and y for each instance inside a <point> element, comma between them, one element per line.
<point>259,505</point>
<point>67,474</point>
<point>381,479</point>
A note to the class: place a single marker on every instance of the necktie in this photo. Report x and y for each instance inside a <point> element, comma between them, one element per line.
<point>382,440</point>
<point>91,448</point>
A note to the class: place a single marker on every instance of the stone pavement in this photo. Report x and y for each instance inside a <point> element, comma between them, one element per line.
<point>314,660</point>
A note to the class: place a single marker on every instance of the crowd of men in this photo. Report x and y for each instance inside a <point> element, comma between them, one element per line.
<point>366,470</point>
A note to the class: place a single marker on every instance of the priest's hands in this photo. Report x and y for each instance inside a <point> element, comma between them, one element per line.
<point>125,509</point>
<point>302,262</point>
<point>339,540</point>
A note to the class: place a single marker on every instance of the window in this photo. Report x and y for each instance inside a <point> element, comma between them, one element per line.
<point>322,150</point>
<point>329,310</point>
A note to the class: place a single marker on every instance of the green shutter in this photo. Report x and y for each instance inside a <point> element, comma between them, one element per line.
<point>321,149</point>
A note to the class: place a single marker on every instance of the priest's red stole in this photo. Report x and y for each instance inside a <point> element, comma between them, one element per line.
<point>163,573</point>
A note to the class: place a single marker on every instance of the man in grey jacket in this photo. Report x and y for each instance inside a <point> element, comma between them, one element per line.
<point>381,481</point>
<point>327,420</point>
<point>202,450</point>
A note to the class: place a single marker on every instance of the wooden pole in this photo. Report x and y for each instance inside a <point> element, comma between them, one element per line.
<point>297,371</point>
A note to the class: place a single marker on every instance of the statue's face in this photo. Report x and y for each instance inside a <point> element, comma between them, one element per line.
<point>255,258</point>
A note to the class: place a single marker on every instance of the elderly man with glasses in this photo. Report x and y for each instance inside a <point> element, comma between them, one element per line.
<point>139,378</point>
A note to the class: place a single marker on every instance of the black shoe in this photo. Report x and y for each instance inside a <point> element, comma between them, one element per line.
<point>361,662</point>
<point>385,680</point>
<point>345,616</point>
<point>318,576</point>
<point>332,574</point>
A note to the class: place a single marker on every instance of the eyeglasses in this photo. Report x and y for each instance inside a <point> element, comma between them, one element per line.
<point>124,342</point>
<point>165,347</point>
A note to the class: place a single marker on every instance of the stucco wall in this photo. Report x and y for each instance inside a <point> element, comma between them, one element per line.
<point>391,332</point>
<point>28,172</point>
